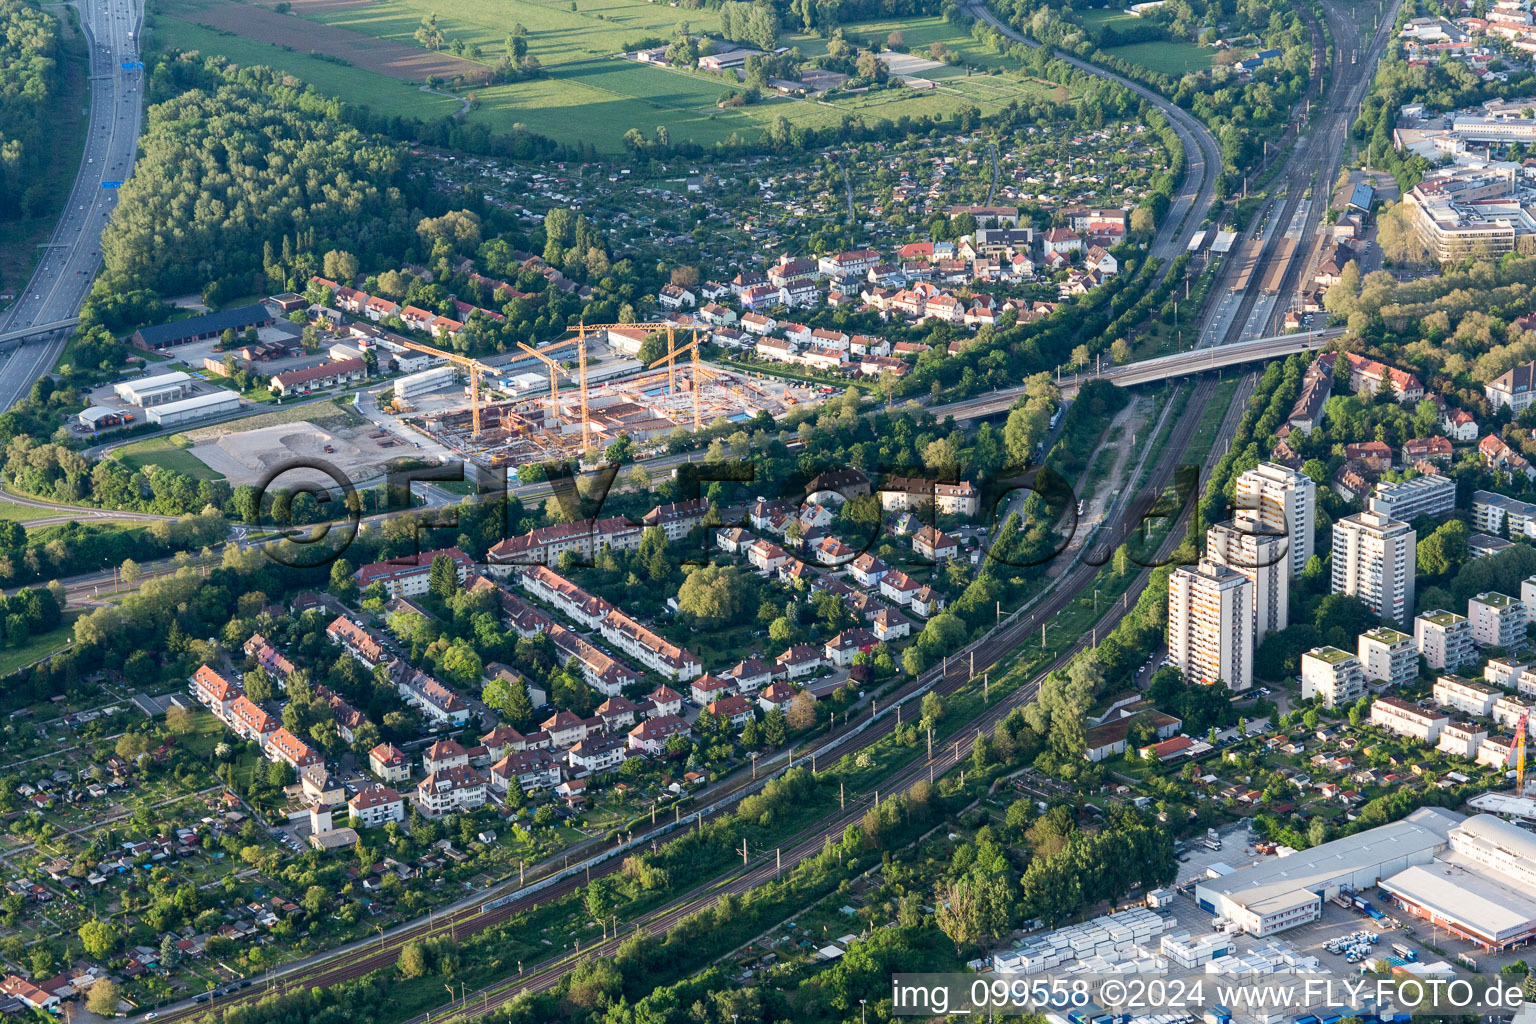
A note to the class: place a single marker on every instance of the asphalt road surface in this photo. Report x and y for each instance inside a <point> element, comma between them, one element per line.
<point>73,254</point>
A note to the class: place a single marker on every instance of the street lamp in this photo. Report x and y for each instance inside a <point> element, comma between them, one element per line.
<point>861,1012</point>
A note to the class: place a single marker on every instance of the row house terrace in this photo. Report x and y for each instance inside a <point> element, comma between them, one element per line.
<point>599,669</point>
<point>272,661</point>
<point>434,700</point>
<point>677,519</point>
<point>544,546</point>
<point>357,641</point>
<point>649,649</point>
<point>566,597</point>
<point>214,692</point>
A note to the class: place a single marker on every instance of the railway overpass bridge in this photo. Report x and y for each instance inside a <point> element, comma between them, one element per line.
<point>1148,371</point>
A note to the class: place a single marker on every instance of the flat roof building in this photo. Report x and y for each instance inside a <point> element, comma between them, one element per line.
<point>1481,889</point>
<point>200,407</point>
<point>1444,638</point>
<point>156,390</point>
<point>1283,892</point>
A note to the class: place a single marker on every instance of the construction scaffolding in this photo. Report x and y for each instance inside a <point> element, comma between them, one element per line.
<point>677,391</point>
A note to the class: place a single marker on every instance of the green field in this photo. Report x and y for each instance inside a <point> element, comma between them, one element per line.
<point>591,96</point>
<point>1166,57</point>
<point>169,452</point>
<point>556,34</point>
<point>13,658</point>
<point>381,93</point>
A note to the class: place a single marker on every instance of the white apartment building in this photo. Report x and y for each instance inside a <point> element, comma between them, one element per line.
<point>1498,620</point>
<point>1243,544</point>
<point>376,805</point>
<point>1427,495</point>
<point>1374,559</point>
<point>1461,739</point>
<point>453,789</point>
<point>1286,502</point>
<point>1331,675</point>
<point>1444,638</point>
<point>1210,624</point>
<point>1407,719</point>
<point>1465,695</point>
<point>1528,598</point>
<point>1389,656</point>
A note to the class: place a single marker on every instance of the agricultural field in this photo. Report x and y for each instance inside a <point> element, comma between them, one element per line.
<point>577,49</point>
<point>374,54</point>
<point>556,33</point>
<point>381,93</point>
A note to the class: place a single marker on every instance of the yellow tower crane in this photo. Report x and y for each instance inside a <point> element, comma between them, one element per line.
<point>648,326</point>
<point>473,366</point>
<point>580,377</point>
<point>701,373</point>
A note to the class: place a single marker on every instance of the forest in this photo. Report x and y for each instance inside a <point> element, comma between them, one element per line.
<point>31,76</point>
<point>233,159</point>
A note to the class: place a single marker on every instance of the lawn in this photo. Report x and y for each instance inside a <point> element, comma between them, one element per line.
<point>381,93</point>
<point>168,451</point>
<point>1166,56</point>
<point>13,658</point>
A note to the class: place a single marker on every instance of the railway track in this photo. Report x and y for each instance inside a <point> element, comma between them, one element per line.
<point>809,842</point>
<point>364,958</point>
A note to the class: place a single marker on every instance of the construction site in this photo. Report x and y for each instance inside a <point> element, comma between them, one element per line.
<point>506,421</point>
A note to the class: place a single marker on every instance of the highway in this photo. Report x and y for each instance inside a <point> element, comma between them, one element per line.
<point>64,273</point>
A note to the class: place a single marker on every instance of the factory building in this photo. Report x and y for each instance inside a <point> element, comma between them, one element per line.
<point>1283,892</point>
<point>156,390</point>
<point>1482,889</point>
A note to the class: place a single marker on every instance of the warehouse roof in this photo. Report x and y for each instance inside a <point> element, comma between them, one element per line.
<point>1482,902</point>
<point>163,380</point>
<point>243,316</point>
<point>1422,832</point>
<point>198,402</point>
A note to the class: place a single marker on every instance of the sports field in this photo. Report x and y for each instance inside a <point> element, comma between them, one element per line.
<point>381,93</point>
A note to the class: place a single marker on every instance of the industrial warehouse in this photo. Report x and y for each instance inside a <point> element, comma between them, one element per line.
<point>1473,876</point>
<point>1483,889</point>
<point>1288,891</point>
